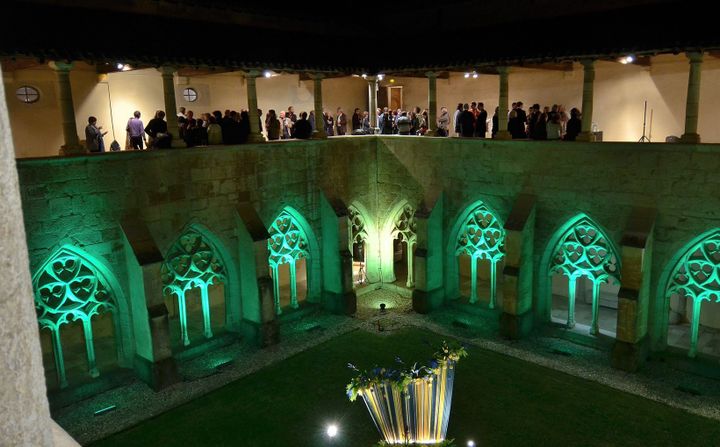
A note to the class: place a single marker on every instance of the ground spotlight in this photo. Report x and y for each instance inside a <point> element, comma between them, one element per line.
<point>471,443</point>
<point>382,307</point>
<point>332,430</point>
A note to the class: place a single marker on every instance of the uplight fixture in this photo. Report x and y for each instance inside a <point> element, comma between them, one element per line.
<point>332,430</point>
<point>471,443</point>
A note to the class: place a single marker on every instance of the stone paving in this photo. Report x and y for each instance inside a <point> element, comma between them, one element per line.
<point>136,402</point>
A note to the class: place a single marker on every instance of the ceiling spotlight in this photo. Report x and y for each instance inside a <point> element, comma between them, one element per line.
<point>267,73</point>
<point>332,430</point>
<point>120,66</point>
<point>475,75</point>
<point>467,75</point>
<point>364,75</point>
<point>392,81</point>
<point>630,59</point>
<point>380,77</point>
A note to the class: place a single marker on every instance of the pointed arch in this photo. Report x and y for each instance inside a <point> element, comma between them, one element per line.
<point>291,239</point>
<point>479,233</point>
<point>581,248</point>
<point>693,274</point>
<point>72,285</point>
<point>197,259</point>
<point>400,224</point>
<point>363,230</point>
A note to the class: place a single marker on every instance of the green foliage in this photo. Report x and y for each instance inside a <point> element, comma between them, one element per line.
<point>400,378</point>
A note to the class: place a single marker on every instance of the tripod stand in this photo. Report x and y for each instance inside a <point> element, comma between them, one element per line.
<point>643,138</point>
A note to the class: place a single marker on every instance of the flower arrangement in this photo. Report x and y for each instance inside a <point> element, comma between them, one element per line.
<point>410,403</point>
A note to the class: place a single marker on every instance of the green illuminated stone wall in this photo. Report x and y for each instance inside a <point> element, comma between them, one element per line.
<point>80,201</point>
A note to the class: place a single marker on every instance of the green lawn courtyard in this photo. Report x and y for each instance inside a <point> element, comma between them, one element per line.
<point>498,401</point>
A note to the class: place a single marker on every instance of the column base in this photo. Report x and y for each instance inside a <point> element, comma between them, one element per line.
<point>159,374</point>
<point>255,138</point>
<point>431,133</point>
<point>690,138</point>
<point>503,135</point>
<point>515,327</point>
<point>319,135</point>
<point>340,304</point>
<point>585,136</point>
<point>424,302</point>
<point>629,356</point>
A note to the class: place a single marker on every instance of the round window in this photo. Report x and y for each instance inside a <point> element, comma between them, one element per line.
<point>190,94</point>
<point>27,94</point>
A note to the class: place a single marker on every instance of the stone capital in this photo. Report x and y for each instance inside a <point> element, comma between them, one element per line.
<point>431,74</point>
<point>695,57</point>
<point>503,70</point>
<point>588,64</point>
<point>371,78</point>
<point>61,66</point>
<point>317,76</point>
<point>167,70</point>
<point>253,74</point>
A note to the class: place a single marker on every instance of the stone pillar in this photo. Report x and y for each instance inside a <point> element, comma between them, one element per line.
<point>258,303</point>
<point>502,133</point>
<point>429,293</point>
<point>693,100</point>
<point>372,102</point>
<point>25,416</point>
<point>319,121</point>
<point>587,100</point>
<point>432,103</point>
<point>338,292</point>
<point>154,362</point>
<point>516,316</point>
<point>255,130</point>
<point>631,341</point>
<point>67,109</point>
<point>168,79</point>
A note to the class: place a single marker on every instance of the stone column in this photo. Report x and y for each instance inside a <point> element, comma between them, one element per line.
<point>168,79</point>
<point>255,130</point>
<point>319,121</point>
<point>693,99</point>
<point>154,362</point>
<point>25,416</point>
<point>587,100</point>
<point>372,102</point>
<point>631,340</point>
<point>67,109</point>
<point>432,103</point>
<point>338,292</point>
<point>516,317</point>
<point>502,133</point>
<point>429,293</point>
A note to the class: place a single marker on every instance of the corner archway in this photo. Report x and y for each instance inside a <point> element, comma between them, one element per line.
<point>478,235</point>
<point>691,293</point>
<point>75,290</point>
<point>581,254</point>
<point>398,244</point>
<point>292,251</point>
<point>363,245</point>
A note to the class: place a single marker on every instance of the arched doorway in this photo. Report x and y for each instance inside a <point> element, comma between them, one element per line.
<point>358,246</point>
<point>77,306</point>
<point>692,294</point>
<point>194,278</point>
<point>399,245</point>
<point>480,239</point>
<point>289,256</point>
<point>584,257</point>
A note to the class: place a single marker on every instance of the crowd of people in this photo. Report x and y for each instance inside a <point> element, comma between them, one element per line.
<point>231,127</point>
<point>550,123</point>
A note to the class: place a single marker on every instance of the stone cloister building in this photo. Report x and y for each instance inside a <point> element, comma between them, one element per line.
<point>135,261</point>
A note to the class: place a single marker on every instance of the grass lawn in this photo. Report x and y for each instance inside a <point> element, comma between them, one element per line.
<point>498,401</point>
